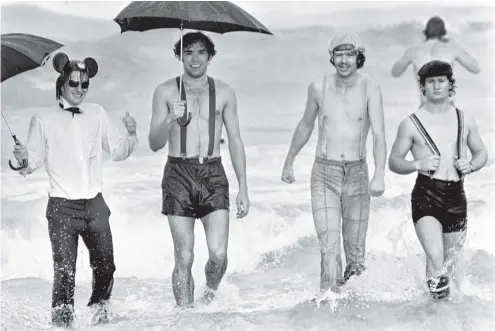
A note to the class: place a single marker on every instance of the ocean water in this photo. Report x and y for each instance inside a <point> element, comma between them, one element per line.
<point>273,271</point>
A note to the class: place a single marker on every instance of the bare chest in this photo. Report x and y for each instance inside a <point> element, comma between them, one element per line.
<point>345,106</point>
<point>201,104</point>
<point>443,131</point>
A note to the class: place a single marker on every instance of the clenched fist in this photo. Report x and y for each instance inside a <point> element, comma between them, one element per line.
<point>429,164</point>
<point>178,109</point>
<point>130,123</point>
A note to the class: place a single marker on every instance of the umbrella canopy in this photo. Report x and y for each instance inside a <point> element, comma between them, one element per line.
<point>214,16</point>
<point>22,52</point>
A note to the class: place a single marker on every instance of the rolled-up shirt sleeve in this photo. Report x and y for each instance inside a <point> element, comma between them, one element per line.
<point>119,147</point>
<point>35,145</point>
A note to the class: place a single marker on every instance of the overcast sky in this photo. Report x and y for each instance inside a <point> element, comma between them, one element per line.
<point>268,12</point>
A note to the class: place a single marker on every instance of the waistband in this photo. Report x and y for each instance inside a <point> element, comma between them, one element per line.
<point>60,199</point>
<point>195,160</point>
<point>319,159</point>
<point>439,183</point>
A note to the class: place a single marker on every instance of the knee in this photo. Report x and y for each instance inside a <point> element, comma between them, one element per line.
<point>64,269</point>
<point>104,267</point>
<point>184,259</point>
<point>218,257</point>
<point>436,254</point>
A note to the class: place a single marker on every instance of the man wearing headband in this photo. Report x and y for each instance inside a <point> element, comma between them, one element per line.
<point>345,105</point>
<point>69,141</point>
<point>435,47</point>
<point>190,117</point>
<point>437,135</point>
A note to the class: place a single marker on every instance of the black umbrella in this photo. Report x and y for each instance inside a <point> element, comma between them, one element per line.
<point>22,52</point>
<point>214,16</point>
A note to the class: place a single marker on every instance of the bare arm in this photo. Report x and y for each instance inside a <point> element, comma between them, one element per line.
<point>160,121</point>
<point>476,146</point>
<point>375,112</point>
<point>402,145</point>
<point>305,126</point>
<point>466,60</point>
<point>400,66</point>
<point>236,145</point>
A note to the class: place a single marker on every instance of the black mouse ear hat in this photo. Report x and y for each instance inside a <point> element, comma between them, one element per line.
<point>62,64</point>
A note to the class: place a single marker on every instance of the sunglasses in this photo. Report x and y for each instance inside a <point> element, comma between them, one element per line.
<point>73,83</point>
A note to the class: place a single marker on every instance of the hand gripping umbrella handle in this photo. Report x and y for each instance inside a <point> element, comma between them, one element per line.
<point>24,163</point>
<point>184,121</point>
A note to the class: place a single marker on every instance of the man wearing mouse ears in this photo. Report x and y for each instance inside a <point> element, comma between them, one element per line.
<point>69,142</point>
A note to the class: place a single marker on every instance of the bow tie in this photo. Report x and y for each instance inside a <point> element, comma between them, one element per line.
<point>73,110</point>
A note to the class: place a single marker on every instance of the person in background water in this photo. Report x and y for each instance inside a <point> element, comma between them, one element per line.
<point>69,141</point>
<point>346,104</point>
<point>195,185</point>
<point>435,47</point>
<point>436,135</point>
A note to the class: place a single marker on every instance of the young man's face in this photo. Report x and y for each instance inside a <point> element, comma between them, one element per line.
<point>195,60</point>
<point>345,61</point>
<point>76,87</point>
<point>437,88</point>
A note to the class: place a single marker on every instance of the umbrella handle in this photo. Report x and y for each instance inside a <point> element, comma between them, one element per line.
<point>24,163</point>
<point>182,121</point>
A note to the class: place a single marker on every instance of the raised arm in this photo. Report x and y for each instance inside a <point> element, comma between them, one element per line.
<point>236,145</point>
<point>375,113</point>
<point>402,145</point>
<point>400,66</point>
<point>119,147</point>
<point>305,126</point>
<point>160,121</point>
<point>466,59</point>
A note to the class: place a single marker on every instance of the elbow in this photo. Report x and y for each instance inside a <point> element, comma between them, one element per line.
<point>392,165</point>
<point>154,145</point>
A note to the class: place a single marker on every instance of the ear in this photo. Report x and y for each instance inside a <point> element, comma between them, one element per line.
<point>92,66</point>
<point>59,62</point>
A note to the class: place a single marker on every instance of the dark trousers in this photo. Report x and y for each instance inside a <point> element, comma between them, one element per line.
<point>67,220</point>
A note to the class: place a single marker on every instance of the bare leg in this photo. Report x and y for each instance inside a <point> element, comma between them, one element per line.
<point>216,226</point>
<point>328,223</point>
<point>429,232</point>
<point>453,251</point>
<point>182,229</point>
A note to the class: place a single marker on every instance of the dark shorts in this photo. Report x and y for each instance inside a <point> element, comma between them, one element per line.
<point>443,200</point>
<point>192,189</point>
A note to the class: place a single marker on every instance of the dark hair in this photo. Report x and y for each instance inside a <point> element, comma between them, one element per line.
<point>433,69</point>
<point>65,67</point>
<point>361,58</point>
<point>435,28</point>
<point>193,37</point>
<point>63,78</point>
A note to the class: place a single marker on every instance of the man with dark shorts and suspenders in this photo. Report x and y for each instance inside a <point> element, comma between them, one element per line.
<point>436,135</point>
<point>346,104</point>
<point>194,182</point>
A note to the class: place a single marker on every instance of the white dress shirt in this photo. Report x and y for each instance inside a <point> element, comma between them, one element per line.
<point>70,146</point>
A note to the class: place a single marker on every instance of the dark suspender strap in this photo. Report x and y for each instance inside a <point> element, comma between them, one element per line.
<point>183,129</point>
<point>426,137</point>
<point>460,134</point>
<point>425,134</point>
<point>211,118</point>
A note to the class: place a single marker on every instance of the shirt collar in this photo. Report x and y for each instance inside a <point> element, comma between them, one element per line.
<point>62,102</point>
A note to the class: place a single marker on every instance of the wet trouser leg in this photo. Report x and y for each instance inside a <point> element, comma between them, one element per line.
<point>67,219</point>
<point>355,215</point>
